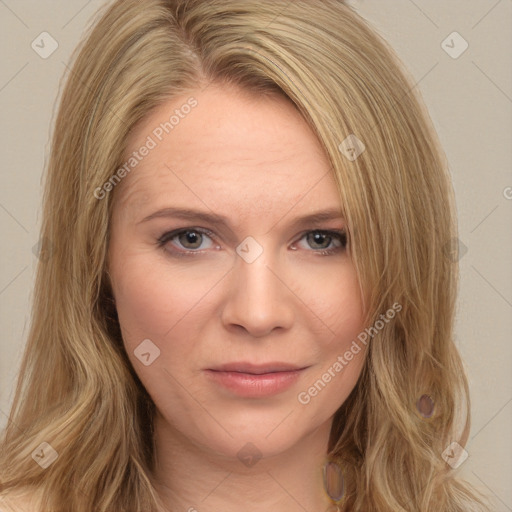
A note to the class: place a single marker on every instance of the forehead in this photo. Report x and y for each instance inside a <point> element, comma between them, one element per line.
<point>232,149</point>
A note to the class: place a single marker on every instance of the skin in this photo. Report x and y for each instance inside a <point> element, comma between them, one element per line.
<point>255,161</point>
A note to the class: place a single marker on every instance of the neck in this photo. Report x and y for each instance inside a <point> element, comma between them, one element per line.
<point>192,478</point>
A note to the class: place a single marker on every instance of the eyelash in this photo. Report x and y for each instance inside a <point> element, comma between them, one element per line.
<point>340,235</point>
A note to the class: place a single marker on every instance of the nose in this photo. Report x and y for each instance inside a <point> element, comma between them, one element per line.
<point>258,298</point>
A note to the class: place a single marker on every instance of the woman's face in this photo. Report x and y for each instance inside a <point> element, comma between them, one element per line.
<point>222,282</point>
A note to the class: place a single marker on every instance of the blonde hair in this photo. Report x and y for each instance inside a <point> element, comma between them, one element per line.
<point>77,390</point>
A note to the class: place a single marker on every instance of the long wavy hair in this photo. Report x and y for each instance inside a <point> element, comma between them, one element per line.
<point>77,390</point>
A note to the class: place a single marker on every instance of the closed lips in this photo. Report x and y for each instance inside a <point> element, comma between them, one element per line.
<point>253,369</point>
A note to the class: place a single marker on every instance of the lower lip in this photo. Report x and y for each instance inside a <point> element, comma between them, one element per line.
<point>251,386</point>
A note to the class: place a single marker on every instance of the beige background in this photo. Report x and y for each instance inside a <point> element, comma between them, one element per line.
<point>470,101</point>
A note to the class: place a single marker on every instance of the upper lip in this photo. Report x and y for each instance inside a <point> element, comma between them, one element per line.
<point>257,369</point>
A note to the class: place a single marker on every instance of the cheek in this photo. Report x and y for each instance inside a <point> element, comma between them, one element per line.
<point>340,354</point>
<point>160,313</point>
<point>336,303</point>
<point>151,298</point>
<point>144,303</point>
<point>347,354</point>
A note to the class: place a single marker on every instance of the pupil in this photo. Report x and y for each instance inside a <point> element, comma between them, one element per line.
<point>318,238</point>
<point>193,238</point>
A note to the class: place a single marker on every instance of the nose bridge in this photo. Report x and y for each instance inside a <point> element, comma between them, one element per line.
<point>258,279</point>
<point>257,299</point>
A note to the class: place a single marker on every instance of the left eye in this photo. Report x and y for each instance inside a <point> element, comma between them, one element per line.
<point>323,239</point>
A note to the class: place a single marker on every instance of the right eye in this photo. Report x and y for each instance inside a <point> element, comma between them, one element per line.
<point>189,240</point>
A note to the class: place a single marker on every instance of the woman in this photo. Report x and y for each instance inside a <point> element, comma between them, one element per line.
<point>246,301</point>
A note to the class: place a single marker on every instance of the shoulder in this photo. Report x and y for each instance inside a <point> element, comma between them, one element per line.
<point>18,501</point>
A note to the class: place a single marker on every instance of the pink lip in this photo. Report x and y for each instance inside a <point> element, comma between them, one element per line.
<point>251,381</point>
<point>257,369</point>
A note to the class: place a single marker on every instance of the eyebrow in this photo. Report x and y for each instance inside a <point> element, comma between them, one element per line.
<point>213,218</point>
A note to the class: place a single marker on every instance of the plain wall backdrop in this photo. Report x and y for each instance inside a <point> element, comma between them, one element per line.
<point>468,92</point>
